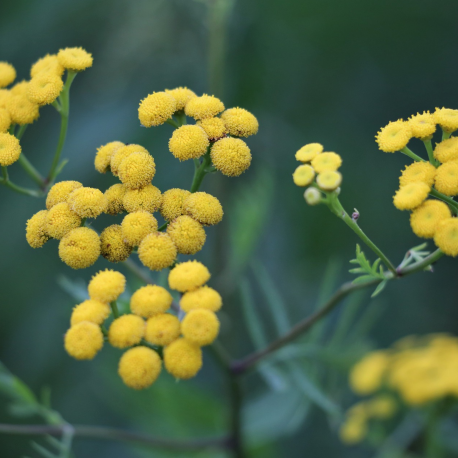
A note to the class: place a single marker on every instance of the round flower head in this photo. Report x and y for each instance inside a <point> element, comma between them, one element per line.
<point>188,276</point>
<point>87,202</point>
<point>240,122</point>
<point>206,106</point>
<point>446,236</point>
<point>84,340</point>
<point>367,375</point>
<point>104,154</point>
<point>122,153</point>
<point>137,170</point>
<point>115,195</point>
<point>201,298</point>
<point>182,359</point>
<point>162,329</point>
<point>113,248</point>
<point>20,88</point>
<point>172,203</point>
<point>382,406</point>
<point>446,118</point>
<point>447,178</point>
<point>7,74</point>
<point>187,234</point>
<point>60,220</point>
<point>231,156</point>
<point>329,180</point>
<point>10,149</point>
<point>182,96</point>
<point>75,59</point>
<point>326,161</point>
<point>150,300</point>
<point>200,326</point>
<point>139,367</point>
<point>5,120</point>
<point>204,208</point>
<point>22,110</point>
<point>47,64</point>
<point>155,109</point>
<point>136,226</point>
<point>447,150</point>
<point>425,218</point>
<point>309,152</point>
<point>411,195</point>
<point>94,311</point>
<point>60,191</point>
<point>312,196</point>
<point>214,128</point>
<point>36,234</point>
<point>80,248</point>
<point>353,430</point>
<point>422,125</point>
<point>5,95</point>
<point>106,286</point>
<point>157,251</point>
<point>44,88</point>
<point>394,136</point>
<point>418,171</point>
<point>188,142</point>
<point>125,331</point>
<point>148,199</point>
<point>303,175</point>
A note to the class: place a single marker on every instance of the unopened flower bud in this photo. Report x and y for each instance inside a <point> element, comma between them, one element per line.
<point>312,196</point>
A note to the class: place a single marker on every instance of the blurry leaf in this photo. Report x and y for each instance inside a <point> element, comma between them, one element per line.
<point>21,410</point>
<point>380,288</point>
<point>42,451</point>
<point>15,388</point>
<point>77,289</point>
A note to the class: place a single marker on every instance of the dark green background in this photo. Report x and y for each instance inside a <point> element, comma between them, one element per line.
<point>332,72</point>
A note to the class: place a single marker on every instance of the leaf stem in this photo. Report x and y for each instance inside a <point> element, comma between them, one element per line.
<point>5,181</point>
<point>31,170</point>
<point>114,309</point>
<point>429,150</point>
<point>411,154</point>
<point>450,201</point>
<point>200,170</point>
<point>445,135</point>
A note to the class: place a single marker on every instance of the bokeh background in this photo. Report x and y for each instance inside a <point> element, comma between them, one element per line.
<point>332,72</point>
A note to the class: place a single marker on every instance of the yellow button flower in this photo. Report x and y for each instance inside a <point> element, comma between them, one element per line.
<point>60,220</point>
<point>157,251</point>
<point>182,359</point>
<point>90,310</point>
<point>446,118</point>
<point>139,367</point>
<point>446,236</point>
<point>5,120</point>
<point>87,202</point>
<point>188,276</point>
<point>104,154</point>
<point>48,64</point>
<point>10,149</point>
<point>36,234</point>
<point>394,136</point>
<point>422,125</point>
<point>137,170</point>
<point>182,96</point>
<point>367,375</point>
<point>447,178</point>
<point>187,234</point>
<point>106,286</point>
<point>425,218</point>
<point>204,208</point>
<point>7,74</point>
<point>75,59</point>
<point>155,109</point>
<point>150,300</point>
<point>200,326</point>
<point>148,199</point>
<point>172,203</point>
<point>240,122</point>
<point>162,329</point>
<point>329,180</point>
<point>418,171</point>
<point>80,248</point>
<point>231,156</point>
<point>447,150</point>
<point>22,110</point>
<point>60,191</point>
<point>303,175</point>
<point>188,142</point>
<point>122,153</point>
<point>84,340</point>
<point>326,161</point>
<point>309,152</point>
<point>136,226</point>
<point>411,195</point>
<point>125,331</point>
<point>214,128</point>
<point>201,298</point>
<point>206,106</point>
<point>112,245</point>
<point>115,195</point>
<point>44,88</point>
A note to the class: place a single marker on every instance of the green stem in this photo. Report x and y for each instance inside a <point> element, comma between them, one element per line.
<point>433,446</point>
<point>181,118</point>
<point>114,309</point>
<point>5,181</point>
<point>172,122</point>
<point>429,150</point>
<point>200,170</point>
<point>445,135</point>
<point>411,154</point>
<point>21,131</point>
<point>452,203</point>
<point>163,227</point>
<point>31,170</point>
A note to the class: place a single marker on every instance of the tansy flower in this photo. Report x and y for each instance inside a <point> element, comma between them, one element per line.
<point>204,208</point>
<point>303,175</point>
<point>382,406</point>
<point>125,331</point>
<point>309,152</point>
<point>326,161</point>
<point>139,367</point>
<point>446,236</point>
<point>47,64</point>
<point>91,310</point>
<point>87,202</point>
<point>60,220</point>
<point>425,218</point>
<point>182,359</point>
<point>206,106</point>
<point>201,298</point>
<point>188,276</point>
<point>240,122</point>
<point>172,203</point>
<point>22,110</point>
<point>36,234</point>
<point>75,59</point>
<point>447,150</point>
<point>106,286</point>
<point>84,340</point>
<point>329,180</point>
<point>19,88</point>
<point>157,251</point>
<point>411,195</point>
<point>136,226</point>
<point>44,88</point>
<point>5,95</point>
<point>200,326</point>
<point>155,109</point>
<point>446,118</point>
<point>188,142</point>
<point>422,125</point>
<point>7,74</point>
<point>115,195</point>
<point>394,136</point>
<point>353,430</point>
<point>148,199</point>
<point>214,128</point>
<point>122,153</point>
<point>60,192</point>
<point>231,156</point>
<point>137,170</point>
<point>187,234</point>
<point>5,120</point>
<point>162,329</point>
<point>367,375</point>
<point>312,196</point>
<point>103,156</point>
<point>418,171</point>
<point>150,300</point>
<point>80,248</point>
<point>112,245</point>
<point>182,96</point>
<point>10,149</point>
<point>447,178</point>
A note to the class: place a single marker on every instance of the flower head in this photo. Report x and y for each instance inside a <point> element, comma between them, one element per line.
<point>446,118</point>
<point>240,122</point>
<point>19,88</point>
<point>329,180</point>
<point>309,152</point>
<point>5,120</point>
<point>200,326</point>
<point>394,136</point>
<point>446,236</point>
<point>162,329</point>
<point>326,161</point>
<point>7,74</point>
<point>115,195</point>
<point>84,340</point>
<point>188,276</point>
<point>80,248</point>
<point>231,156</point>
<point>5,96</point>
<point>188,142</point>
<point>182,96</point>
<point>139,367</point>
<point>75,59</point>
<point>157,251</point>
<point>155,109</point>
<point>22,110</point>
<point>10,149</point>
<point>44,88</point>
<point>150,300</point>
<point>214,128</point>
<point>312,196</point>
<point>172,203</point>
<point>187,234</point>
<point>201,298</point>
<point>127,330</point>
<point>87,202</point>
<point>112,245</point>
<point>303,175</point>
<point>204,208</point>
<point>60,220</point>
<point>148,199</point>
<point>411,195</point>
<point>422,125</point>
<point>122,153</point>
<point>104,153</point>
<point>418,171</point>
<point>136,226</point>
<point>90,310</point>
<point>425,219</point>
<point>137,170</point>
<point>447,150</point>
<point>60,192</point>
<point>206,106</point>
<point>447,178</point>
<point>106,286</point>
<point>367,375</point>
<point>182,359</point>
<point>48,64</point>
<point>36,234</point>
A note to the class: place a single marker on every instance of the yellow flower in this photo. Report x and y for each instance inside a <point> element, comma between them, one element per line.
<point>201,298</point>
<point>214,128</point>
<point>309,152</point>
<point>422,125</point>
<point>425,218</point>
<point>240,122</point>
<point>188,142</point>
<point>447,150</point>
<point>5,96</point>
<point>10,149</point>
<point>418,171</point>
<point>447,178</point>
<point>5,120</point>
<point>115,195</point>
<point>188,276</point>
<point>182,359</point>
<point>162,329</point>
<point>104,154</point>
<point>157,251</point>
<point>182,96</point>
<point>136,226</point>
<point>7,74</point>
<point>60,220</point>
<point>44,88</point>
<point>84,340</point>
<point>47,64</point>
<point>155,109</point>
<point>382,406</point>
<point>446,236</point>
<point>312,196</point>
<point>148,199</point>
<point>329,180</point>
<point>204,208</point>
<point>106,286</point>
<point>20,88</point>
<point>150,300</point>
<point>22,110</point>
<point>411,195</point>
<point>87,202</point>
<point>303,175</point>
<point>60,191</point>
<point>172,203</point>
<point>80,248</point>
<point>394,136</point>
<point>36,234</point>
<point>353,430</point>
<point>206,106</point>
<point>125,331</point>
<point>75,59</point>
<point>200,326</point>
<point>446,118</point>
<point>231,156</point>
<point>90,310</point>
<point>113,248</point>
<point>187,234</point>
<point>367,375</point>
<point>326,161</point>
<point>137,170</point>
<point>122,153</point>
<point>139,367</point>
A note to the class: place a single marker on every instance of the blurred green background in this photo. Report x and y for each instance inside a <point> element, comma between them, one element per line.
<point>332,72</point>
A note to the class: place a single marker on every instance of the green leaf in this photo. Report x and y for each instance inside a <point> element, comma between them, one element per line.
<point>380,288</point>
<point>362,279</point>
<point>76,289</point>
<point>14,387</point>
<point>43,451</point>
